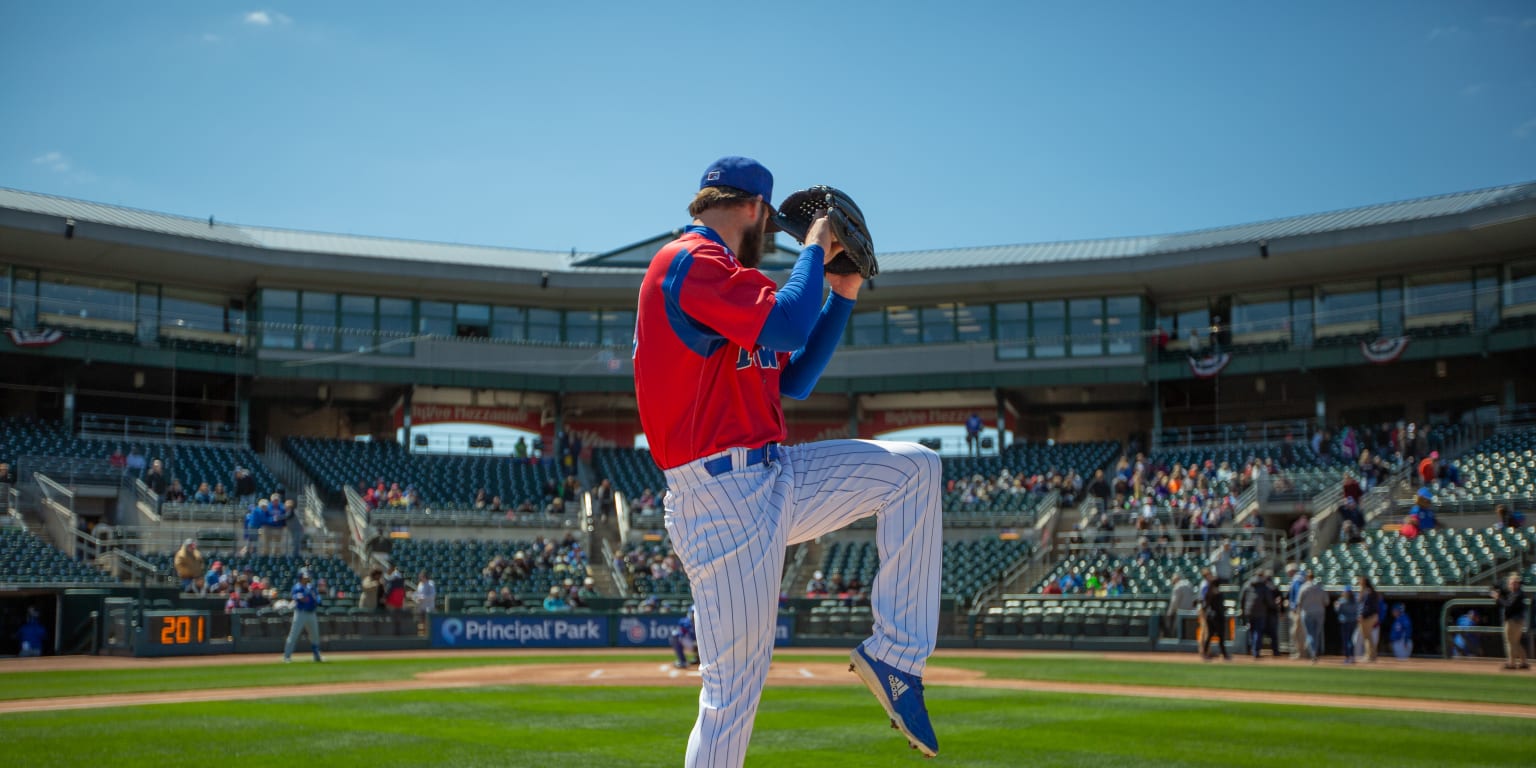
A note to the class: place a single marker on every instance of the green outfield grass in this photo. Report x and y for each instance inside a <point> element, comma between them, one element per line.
<point>1270,675</point>
<point>838,726</point>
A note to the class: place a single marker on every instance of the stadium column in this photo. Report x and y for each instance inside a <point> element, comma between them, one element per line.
<point>1002,418</point>
<point>405,418</point>
<point>1322,406</point>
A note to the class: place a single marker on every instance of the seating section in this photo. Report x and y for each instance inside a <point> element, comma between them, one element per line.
<point>1030,459</point>
<point>456,565</point>
<point>643,580</point>
<point>444,482</point>
<point>280,572</point>
<point>26,559</point>
<point>1151,578</point>
<point>1293,458</point>
<point>1436,558</point>
<point>630,470</point>
<point>1500,468</point>
<point>1073,618</point>
<point>188,462</point>
<point>969,566</point>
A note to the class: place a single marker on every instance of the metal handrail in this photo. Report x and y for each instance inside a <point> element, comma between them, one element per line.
<point>619,582</point>
<point>1448,628</point>
<point>113,426</point>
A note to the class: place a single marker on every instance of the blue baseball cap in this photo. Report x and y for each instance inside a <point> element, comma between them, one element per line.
<point>743,173</point>
<point>1424,493</point>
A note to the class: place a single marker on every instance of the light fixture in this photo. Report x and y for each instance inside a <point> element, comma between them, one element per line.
<point>544,280</point>
<point>69,229</point>
<point>1263,249</point>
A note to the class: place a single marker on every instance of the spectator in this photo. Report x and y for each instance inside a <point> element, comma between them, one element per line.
<point>817,587</point>
<point>175,494</point>
<point>556,507</point>
<point>555,603</point>
<point>1424,509</point>
<point>1507,518</point>
<point>135,462</point>
<point>1402,632</point>
<point>255,520</point>
<point>1294,591</point>
<point>245,486</point>
<point>394,589</point>
<point>1312,601</point>
<point>217,580</point>
<point>117,460</point>
<point>220,494</point>
<point>1256,602</point>
<point>492,600</point>
<point>203,495</point>
<point>1196,346</point>
<point>295,526</point>
<point>426,601</point>
<point>520,448</point>
<point>189,567</point>
<point>1348,611</point>
<point>973,433</point>
<point>1350,534</point>
<point>155,478</point>
<point>1409,528</point>
<point>259,597</point>
<point>1513,605</point>
<point>588,590</point>
<point>1370,616</point>
<point>1427,469</point>
<point>482,499</point>
<point>32,634</point>
<point>604,499</point>
<point>372,594</point>
<point>235,602</point>
<point>1349,512</point>
<point>1221,561</point>
<point>507,599</point>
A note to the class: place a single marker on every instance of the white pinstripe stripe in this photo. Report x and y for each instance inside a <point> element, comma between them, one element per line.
<point>731,533</point>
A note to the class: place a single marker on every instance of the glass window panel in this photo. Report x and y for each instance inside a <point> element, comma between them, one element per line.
<point>1441,293</point>
<point>85,298</point>
<point>436,318</point>
<point>1049,328</point>
<point>902,325</point>
<point>618,328</point>
<point>544,325</point>
<point>394,326</point>
<point>1012,321</point>
<point>973,322</point>
<point>509,323</point>
<point>581,326</point>
<point>1521,287</point>
<point>1087,327</point>
<point>5,286</point>
<point>357,323</point>
<point>317,322</point>
<point>1347,303</point>
<point>1122,324</point>
<point>193,310</point>
<point>279,314</point>
<point>938,323</point>
<point>869,328</point>
<point>1301,318</point>
<point>1261,313</point>
<point>1197,320</point>
<point>1486,299</point>
<point>478,314</point>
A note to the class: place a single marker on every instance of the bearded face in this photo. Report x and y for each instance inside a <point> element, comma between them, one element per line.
<point>751,252</point>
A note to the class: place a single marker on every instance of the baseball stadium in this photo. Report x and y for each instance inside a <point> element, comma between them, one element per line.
<point>1329,398</point>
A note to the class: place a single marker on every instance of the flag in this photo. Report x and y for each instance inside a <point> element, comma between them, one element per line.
<point>1210,365</point>
<point>37,337</point>
<point>1383,351</point>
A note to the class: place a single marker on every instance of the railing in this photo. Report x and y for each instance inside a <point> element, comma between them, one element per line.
<point>619,582</point>
<point>621,514</point>
<point>111,426</point>
<point>147,502</point>
<point>287,471</point>
<point>70,470</point>
<point>1257,433</point>
<point>13,503</point>
<point>1038,560</point>
<point>1449,627</point>
<point>357,527</point>
<point>214,513</point>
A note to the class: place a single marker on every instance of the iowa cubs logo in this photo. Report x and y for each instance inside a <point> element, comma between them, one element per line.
<point>633,629</point>
<point>759,357</point>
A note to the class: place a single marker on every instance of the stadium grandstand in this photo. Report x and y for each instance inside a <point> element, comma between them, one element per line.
<point>1308,390</point>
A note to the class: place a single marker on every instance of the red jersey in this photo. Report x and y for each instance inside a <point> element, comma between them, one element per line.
<point>701,381</point>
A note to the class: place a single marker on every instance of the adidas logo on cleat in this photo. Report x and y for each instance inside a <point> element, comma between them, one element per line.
<point>897,687</point>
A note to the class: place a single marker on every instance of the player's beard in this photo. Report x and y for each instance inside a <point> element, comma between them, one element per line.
<point>750,254</point>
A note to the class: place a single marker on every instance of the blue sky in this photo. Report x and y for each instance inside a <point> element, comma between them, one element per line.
<point>586,124</point>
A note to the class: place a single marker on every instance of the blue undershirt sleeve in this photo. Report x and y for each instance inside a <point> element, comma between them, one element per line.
<point>793,315</point>
<point>805,366</point>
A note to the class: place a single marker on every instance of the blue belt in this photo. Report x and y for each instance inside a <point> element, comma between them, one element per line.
<point>721,465</point>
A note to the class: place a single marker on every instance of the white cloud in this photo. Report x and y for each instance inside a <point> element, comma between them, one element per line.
<point>266,18</point>
<point>1526,129</point>
<point>53,161</point>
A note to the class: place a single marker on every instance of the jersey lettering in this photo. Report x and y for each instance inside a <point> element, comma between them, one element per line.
<point>766,359</point>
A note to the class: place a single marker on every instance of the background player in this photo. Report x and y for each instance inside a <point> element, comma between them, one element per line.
<point>716,344</point>
<point>684,644</point>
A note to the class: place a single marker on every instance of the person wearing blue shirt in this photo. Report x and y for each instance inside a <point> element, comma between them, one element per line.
<point>255,520</point>
<point>973,434</point>
<point>683,641</point>
<point>1401,632</point>
<point>306,599</point>
<point>1424,508</point>
<point>33,635</point>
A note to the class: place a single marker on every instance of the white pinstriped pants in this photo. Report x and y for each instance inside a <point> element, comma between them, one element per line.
<point>731,532</point>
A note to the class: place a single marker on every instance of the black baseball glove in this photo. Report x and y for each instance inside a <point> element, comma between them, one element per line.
<point>801,208</point>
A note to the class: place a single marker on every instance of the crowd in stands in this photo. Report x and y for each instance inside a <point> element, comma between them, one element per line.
<point>851,591</point>
<point>641,564</point>
<point>980,490</point>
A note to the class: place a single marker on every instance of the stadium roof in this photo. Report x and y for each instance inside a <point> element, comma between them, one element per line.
<point>634,256</point>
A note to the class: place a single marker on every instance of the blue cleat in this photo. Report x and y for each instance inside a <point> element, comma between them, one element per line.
<point>902,696</point>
